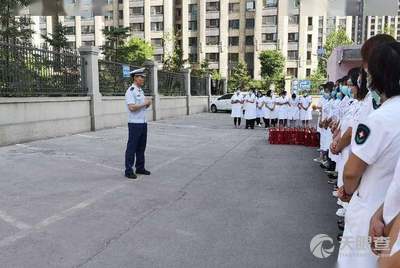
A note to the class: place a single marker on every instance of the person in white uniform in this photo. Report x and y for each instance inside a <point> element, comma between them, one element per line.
<point>283,108</point>
<point>305,109</point>
<point>250,113</point>
<point>236,102</point>
<point>268,108</point>
<point>370,168</point>
<point>275,110</point>
<point>260,111</point>
<point>294,111</point>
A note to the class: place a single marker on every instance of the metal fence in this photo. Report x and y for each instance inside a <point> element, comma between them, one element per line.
<point>217,87</point>
<point>198,86</point>
<point>171,84</point>
<point>113,82</point>
<point>26,71</point>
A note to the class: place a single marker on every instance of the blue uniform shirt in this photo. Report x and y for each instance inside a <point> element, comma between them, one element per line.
<point>135,95</point>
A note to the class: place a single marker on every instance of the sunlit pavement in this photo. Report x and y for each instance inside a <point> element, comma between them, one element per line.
<point>217,197</point>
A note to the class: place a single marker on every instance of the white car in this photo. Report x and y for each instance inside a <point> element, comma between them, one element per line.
<point>223,103</point>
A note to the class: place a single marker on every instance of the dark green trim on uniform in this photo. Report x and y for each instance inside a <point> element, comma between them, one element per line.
<point>362,134</point>
<point>375,105</point>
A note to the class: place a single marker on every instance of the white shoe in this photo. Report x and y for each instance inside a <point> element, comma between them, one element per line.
<point>318,160</point>
<point>341,212</point>
<point>335,193</point>
<point>339,202</point>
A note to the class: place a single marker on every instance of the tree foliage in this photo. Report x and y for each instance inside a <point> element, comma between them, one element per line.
<point>136,51</point>
<point>272,64</point>
<point>203,69</point>
<point>57,39</point>
<point>114,45</point>
<point>239,77</point>
<point>336,39</point>
<point>12,28</point>
<point>173,61</point>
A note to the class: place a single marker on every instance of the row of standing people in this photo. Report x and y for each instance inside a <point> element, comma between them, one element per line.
<point>360,148</point>
<point>274,110</point>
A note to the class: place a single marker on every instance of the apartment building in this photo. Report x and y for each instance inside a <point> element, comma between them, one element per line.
<point>221,31</point>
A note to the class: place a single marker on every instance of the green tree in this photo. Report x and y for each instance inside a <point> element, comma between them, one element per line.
<point>12,28</point>
<point>317,78</point>
<point>333,40</point>
<point>114,45</point>
<point>272,65</point>
<point>173,61</point>
<point>136,51</point>
<point>57,39</point>
<point>203,69</point>
<point>389,30</point>
<point>239,77</point>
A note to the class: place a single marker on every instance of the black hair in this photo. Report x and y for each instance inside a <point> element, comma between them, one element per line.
<point>363,88</point>
<point>294,95</point>
<point>372,43</point>
<point>269,93</point>
<point>353,75</point>
<point>330,85</point>
<point>344,79</point>
<point>384,68</point>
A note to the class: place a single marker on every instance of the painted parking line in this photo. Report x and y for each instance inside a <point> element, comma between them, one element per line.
<point>13,221</point>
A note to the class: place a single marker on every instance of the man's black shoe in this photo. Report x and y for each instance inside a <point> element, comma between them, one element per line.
<point>131,176</point>
<point>143,172</point>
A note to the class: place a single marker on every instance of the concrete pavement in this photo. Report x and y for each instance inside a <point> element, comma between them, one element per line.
<point>218,197</point>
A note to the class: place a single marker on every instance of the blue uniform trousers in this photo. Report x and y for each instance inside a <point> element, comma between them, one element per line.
<point>135,147</point>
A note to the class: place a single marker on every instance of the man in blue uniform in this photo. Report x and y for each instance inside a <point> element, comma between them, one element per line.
<point>136,105</point>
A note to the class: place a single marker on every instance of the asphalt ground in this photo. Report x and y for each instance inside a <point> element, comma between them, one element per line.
<point>217,197</point>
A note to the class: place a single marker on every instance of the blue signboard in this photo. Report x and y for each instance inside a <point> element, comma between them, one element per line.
<point>126,70</point>
<point>304,85</point>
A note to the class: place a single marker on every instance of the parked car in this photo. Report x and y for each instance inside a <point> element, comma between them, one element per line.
<point>223,103</point>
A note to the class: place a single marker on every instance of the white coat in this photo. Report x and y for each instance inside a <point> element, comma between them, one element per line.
<point>377,143</point>
<point>260,111</point>
<point>306,114</point>
<point>294,112</point>
<point>237,107</point>
<point>250,107</point>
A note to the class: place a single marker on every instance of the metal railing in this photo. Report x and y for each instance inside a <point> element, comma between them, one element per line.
<point>112,81</point>
<point>171,84</point>
<point>217,87</point>
<point>27,71</point>
<point>198,86</point>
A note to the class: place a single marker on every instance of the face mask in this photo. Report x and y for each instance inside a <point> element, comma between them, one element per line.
<point>346,91</point>
<point>326,96</point>
<point>375,95</point>
<point>333,94</point>
<point>339,95</point>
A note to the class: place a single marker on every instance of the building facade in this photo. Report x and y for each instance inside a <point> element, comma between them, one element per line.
<point>222,31</point>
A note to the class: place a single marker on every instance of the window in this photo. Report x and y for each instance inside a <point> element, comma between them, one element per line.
<point>87,15</point>
<point>294,19</point>
<point>308,72</point>
<point>193,41</point>
<point>291,72</point>
<point>71,45</point>
<point>234,24</point>
<point>88,43</point>
<point>233,41</point>
<point>192,25</point>
<point>137,27</point>
<point>67,18</point>
<point>268,37</point>
<point>249,40</point>
<point>157,10</point>
<point>193,9</point>
<point>212,40</point>
<point>269,20</point>
<point>310,19</point>
<point>293,37</point>
<point>87,29</point>
<point>293,54</point>
<point>234,7</point>
<point>233,57</point>
<point>226,97</point>
<point>212,23</point>
<point>157,26</point>
<point>158,57</point>
<point>109,15</point>
<point>120,14</point>
<point>136,11</point>
<point>212,6</point>
<point>342,23</point>
<point>70,30</point>
<point>157,42</point>
<point>271,3</point>
<point>193,58</point>
<point>309,38</point>
<point>250,5</point>
<point>212,57</point>
<point>308,55</point>
<point>249,23</point>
